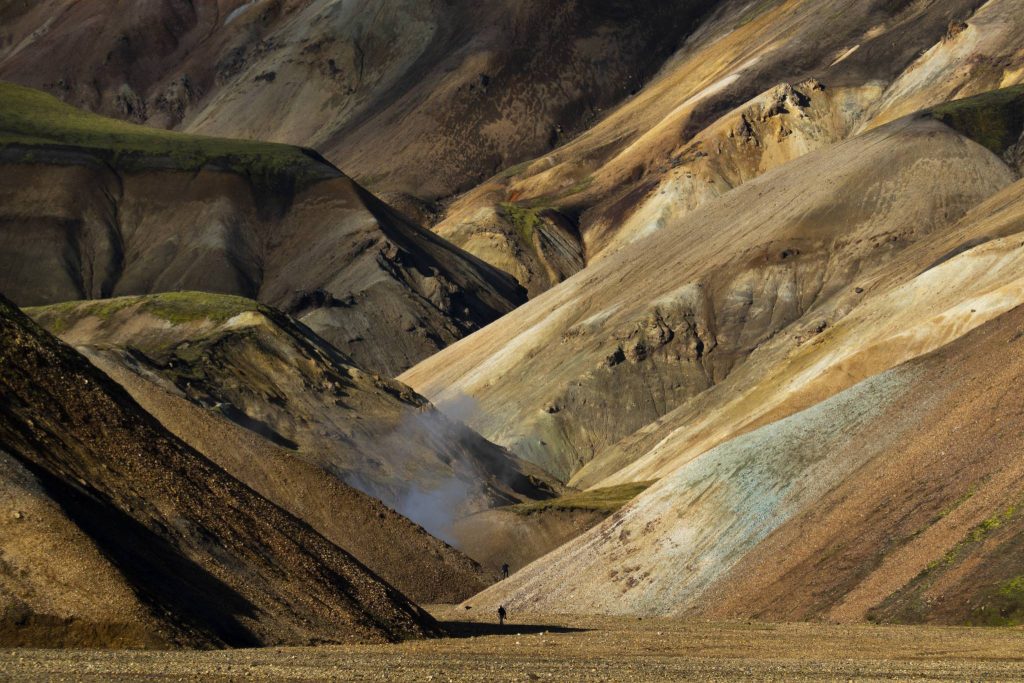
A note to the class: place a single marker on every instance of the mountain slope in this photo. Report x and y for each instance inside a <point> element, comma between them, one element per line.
<point>423,568</point>
<point>421,97</point>
<point>92,208</point>
<point>772,263</point>
<point>257,368</point>
<point>758,85</point>
<point>897,499</point>
<point>183,554</point>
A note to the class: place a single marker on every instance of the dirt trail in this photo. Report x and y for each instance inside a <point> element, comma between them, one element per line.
<point>584,649</point>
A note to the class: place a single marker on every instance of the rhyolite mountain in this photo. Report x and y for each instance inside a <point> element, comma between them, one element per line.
<point>92,207</point>
<point>777,274</point>
<point>414,97</point>
<point>117,533</point>
<point>319,415</point>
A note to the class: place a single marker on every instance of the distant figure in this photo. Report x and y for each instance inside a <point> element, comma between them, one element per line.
<point>504,571</point>
<point>501,615</point>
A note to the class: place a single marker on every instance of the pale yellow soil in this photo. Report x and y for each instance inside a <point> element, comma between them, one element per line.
<point>578,649</point>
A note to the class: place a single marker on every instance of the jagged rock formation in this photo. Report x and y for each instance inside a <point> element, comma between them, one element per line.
<point>272,376</point>
<point>117,533</point>
<point>93,208</point>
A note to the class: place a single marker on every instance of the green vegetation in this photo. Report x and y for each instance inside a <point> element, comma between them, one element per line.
<point>525,221</point>
<point>604,500</point>
<point>1003,607</point>
<point>35,121</point>
<point>515,170</point>
<point>174,307</point>
<point>993,119</point>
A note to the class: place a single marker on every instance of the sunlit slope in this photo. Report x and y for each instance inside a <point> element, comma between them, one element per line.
<point>932,294</point>
<point>92,207</point>
<point>758,85</point>
<point>771,265</point>
<point>897,499</point>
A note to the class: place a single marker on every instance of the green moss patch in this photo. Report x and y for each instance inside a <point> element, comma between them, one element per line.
<point>604,500</point>
<point>32,120</point>
<point>908,605</point>
<point>524,220</point>
<point>1004,606</point>
<point>174,307</point>
<point>994,119</point>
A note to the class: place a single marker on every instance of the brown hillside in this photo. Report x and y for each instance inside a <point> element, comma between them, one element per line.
<point>898,500</point>
<point>248,364</point>
<point>156,545</point>
<point>421,97</point>
<point>92,208</point>
<point>753,274</point>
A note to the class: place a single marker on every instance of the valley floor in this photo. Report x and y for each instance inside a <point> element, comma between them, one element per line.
<point>578,649</point>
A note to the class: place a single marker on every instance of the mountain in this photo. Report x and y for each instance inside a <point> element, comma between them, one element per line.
<point>242,362</point>
<point>667,335</point>
<point>92,208</point>
<point>418,97</point>
<point>896,500</point>
<point>761,257</point>
<point>115,532</point>
<point>755,86</point>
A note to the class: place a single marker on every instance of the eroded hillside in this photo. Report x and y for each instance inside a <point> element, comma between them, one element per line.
<point>727,293</point>
<point>253,366</point>
<point>758,85</point>
<point>92,208</point>
<point>897,499</point>
<point>419,97</point>
<point>120,534</point>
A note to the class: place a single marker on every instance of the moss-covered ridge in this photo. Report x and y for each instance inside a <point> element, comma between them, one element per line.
<point>32,121</point>
<point>176,308</point>
<point>994,119</point>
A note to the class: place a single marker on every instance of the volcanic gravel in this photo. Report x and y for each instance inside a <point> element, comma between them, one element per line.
<point>577,649</point>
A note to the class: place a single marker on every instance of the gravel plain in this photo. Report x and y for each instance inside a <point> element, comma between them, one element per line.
<point>577,649</point>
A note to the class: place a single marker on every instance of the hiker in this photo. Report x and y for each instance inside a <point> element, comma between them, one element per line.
<point>504,571</point>
<point>501,615</point>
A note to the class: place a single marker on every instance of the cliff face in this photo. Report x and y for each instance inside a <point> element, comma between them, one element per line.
<point>91,207</point>
<point>120,534</point>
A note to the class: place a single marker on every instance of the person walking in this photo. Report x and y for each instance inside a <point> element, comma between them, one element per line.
<point>501,615</point>
<point>504,571</point>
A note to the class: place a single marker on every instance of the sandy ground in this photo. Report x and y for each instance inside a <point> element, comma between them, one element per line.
<point>578,649</point>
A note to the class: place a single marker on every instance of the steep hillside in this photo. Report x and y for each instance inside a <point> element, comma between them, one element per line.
<point>421,97</point>
<point>259,369</point>
<point>93,208</point>
<point>423,568</point>
<point>539,135</point>
<point>117,533</point>
<point>730,289</point>
<point>897,499</point>
<point>758,85</point>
